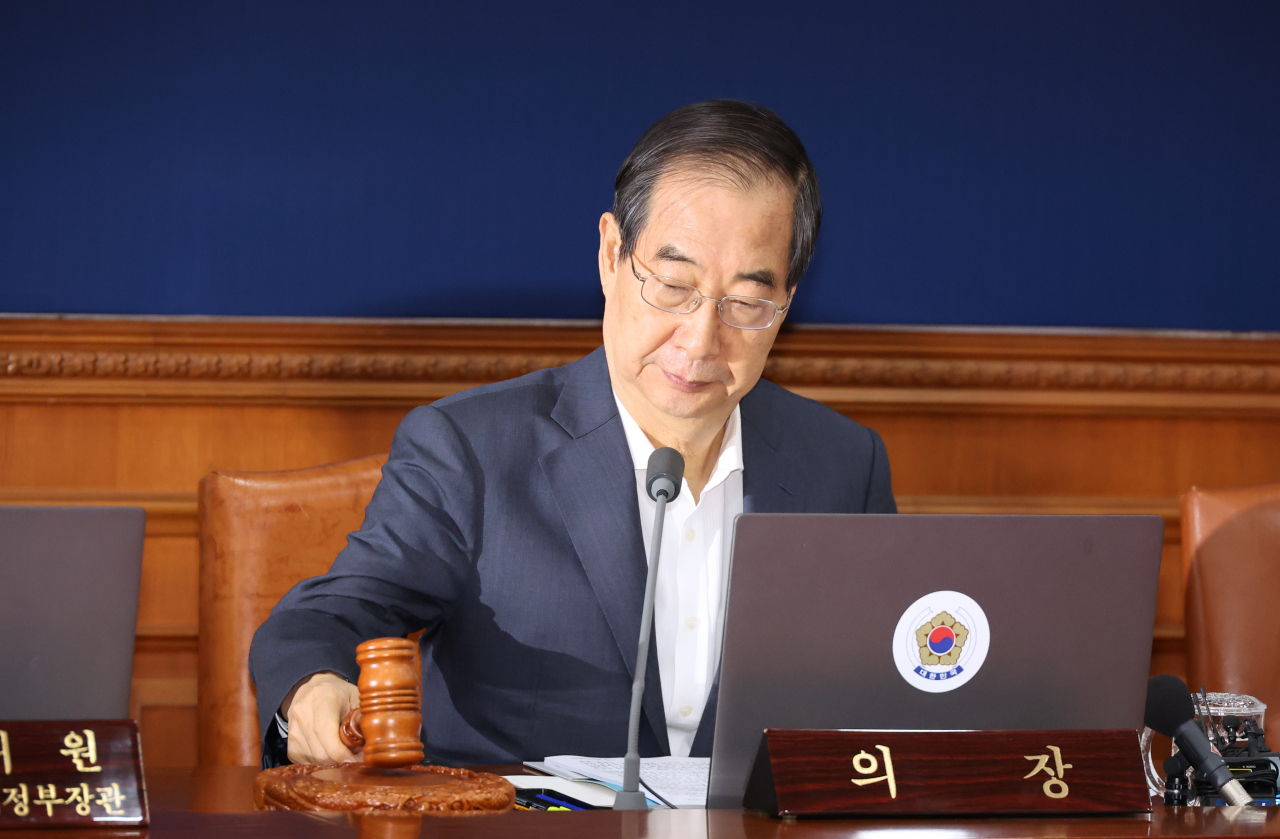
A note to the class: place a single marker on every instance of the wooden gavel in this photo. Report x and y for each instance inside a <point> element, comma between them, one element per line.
<point>388,723</point>
<point>391,784</point>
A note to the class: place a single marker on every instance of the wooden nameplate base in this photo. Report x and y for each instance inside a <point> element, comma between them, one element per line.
<point>71,773</point>
<point>800,772</point>
<point>390,781</point>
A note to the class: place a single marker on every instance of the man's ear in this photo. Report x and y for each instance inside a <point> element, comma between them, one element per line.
<point>610,251</point>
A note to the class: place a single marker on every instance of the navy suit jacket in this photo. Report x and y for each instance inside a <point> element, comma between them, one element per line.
<point>506,526</point>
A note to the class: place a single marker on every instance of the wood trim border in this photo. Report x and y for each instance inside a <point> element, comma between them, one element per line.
<point>476,367</point>
<point>160,692</point>
<point>168,513</point>
<point>408,362</point>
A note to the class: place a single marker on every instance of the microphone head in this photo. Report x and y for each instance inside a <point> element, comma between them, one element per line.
<point>665,472</point>
<point>1168,704</point>
<point>1176,764</point>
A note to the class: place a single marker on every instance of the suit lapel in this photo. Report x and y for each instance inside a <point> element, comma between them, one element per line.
<point>593,480</point>
<point>767,485</point>
<point>766,475</point>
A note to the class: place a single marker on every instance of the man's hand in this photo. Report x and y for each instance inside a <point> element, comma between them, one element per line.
<point>315,708</point>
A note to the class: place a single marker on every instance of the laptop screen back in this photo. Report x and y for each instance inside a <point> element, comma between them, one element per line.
<point>68,610</point>
<point>1025,622</point>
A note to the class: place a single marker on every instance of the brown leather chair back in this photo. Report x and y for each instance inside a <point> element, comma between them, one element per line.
<point>260,533</point>
<point>1231,558</point>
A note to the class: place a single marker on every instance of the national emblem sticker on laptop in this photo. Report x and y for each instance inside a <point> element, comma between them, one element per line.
<point>941,641</point>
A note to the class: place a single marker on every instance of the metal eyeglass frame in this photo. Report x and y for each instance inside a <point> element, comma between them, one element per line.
<point>777,310</point>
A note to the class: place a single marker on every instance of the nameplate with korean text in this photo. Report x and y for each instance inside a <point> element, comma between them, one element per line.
<point>71,773</point>
<point>810,772</point>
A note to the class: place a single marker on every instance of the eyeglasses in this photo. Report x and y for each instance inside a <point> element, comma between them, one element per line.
<point>681,299</point>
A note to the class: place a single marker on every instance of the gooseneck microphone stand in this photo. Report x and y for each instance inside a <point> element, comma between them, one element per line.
<point>662,481</point>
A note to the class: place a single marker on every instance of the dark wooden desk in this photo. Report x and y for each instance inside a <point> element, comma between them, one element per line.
<point>217,803</point>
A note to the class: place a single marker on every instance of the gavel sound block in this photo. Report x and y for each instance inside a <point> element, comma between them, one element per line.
<point>387,725</point>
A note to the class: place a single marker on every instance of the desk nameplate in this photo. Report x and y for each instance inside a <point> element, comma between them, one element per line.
<point>800,772</point>
<point>70,773</point>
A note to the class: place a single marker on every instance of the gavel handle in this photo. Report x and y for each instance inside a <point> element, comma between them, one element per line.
<point>349,732</point>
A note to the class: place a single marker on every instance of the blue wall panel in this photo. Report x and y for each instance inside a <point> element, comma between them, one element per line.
<point>1022,163</point>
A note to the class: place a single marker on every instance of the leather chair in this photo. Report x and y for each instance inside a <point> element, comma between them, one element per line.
<point>260,533</point>
<point>1231,558</point>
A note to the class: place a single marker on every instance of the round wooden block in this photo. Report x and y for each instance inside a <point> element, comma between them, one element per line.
<point>435,790</point>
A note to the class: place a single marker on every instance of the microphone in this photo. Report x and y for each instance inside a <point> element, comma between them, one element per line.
<point>1170,712</point>
<point>664,474</point>
<point>662,482</point>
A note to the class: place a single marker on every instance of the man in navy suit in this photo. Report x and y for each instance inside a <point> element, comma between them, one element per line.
<point>511,522</point>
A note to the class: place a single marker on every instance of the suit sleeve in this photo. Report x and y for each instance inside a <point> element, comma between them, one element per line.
<point>401,572</point>
<point>879,484</point>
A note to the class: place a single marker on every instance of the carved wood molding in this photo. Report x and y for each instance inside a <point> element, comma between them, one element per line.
<point>408,362</point>
<point>372,366</point>
<point>487,367</point>
<point>1024,375</point>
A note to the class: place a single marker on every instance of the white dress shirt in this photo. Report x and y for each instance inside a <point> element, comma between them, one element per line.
<point>693,571</point>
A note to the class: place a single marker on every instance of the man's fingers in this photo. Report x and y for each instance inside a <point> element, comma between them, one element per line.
<point>330,711</point>
<point>331,744</point>
<point>300,750</point>
<point>317,746</point>
<point>303,722</point>
<point>314,717</point>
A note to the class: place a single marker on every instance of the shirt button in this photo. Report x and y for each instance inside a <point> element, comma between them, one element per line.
<point>685,710</point>
<point>692,623</point>
<point>689,534</point>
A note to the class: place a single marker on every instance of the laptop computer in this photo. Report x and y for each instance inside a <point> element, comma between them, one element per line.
<point>68,610</point>
<point>932,622</point>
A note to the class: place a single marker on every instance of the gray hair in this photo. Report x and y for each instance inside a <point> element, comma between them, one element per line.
<point>741,141</point>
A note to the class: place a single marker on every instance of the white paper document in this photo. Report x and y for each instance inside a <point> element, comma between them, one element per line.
<point>680,781</point>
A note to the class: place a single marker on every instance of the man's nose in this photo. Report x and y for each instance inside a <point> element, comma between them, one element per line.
<point>700,334</point>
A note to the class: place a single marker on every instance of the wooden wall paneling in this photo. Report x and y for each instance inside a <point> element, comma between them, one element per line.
<point>163,694</point>
<point>135,411</point>
<point>1145,456</point>
<point>169,447</point>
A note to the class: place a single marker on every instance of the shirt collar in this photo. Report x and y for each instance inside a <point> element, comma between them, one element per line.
<point>730,459</point>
